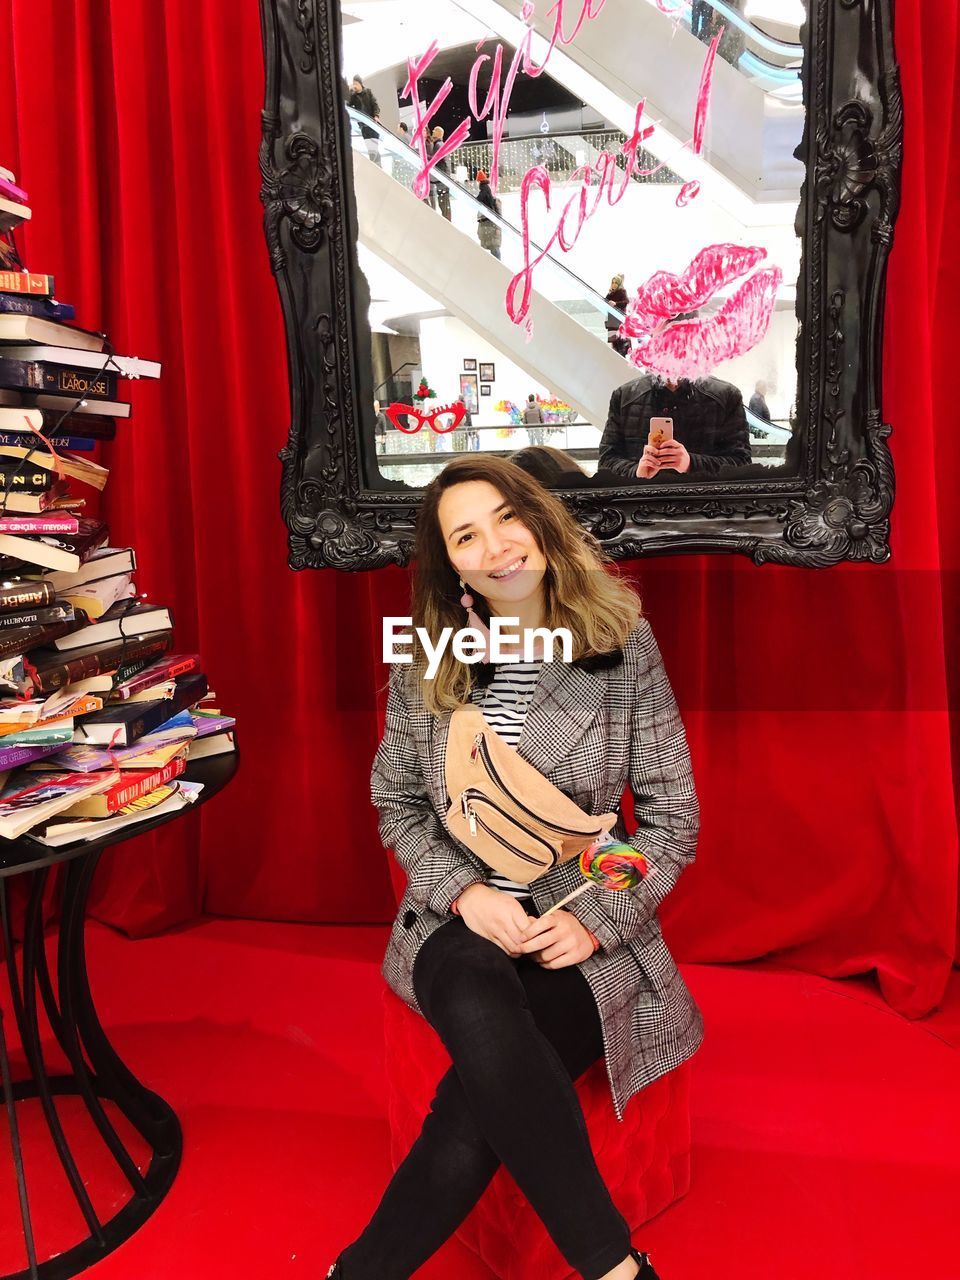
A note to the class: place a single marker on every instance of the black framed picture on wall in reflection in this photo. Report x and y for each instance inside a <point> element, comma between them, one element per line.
<point>488,373</point>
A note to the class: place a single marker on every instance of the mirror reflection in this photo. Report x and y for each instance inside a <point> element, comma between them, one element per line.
<point>581,248</point>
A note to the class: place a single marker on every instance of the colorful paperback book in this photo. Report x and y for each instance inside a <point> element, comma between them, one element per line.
<point>124,788</point>
<point>24,807</point>
<point>14,757</point>
<point>179,795</point>
<point>148,752</point>
<point>59,735</point>
<point>52,524</point>
<point>10,189</point>
<point>207,724</point>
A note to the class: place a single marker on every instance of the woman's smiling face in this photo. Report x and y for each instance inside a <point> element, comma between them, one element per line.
<point>489,547</point>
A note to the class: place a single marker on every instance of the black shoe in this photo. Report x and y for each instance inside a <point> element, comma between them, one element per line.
<point>646,1271</point>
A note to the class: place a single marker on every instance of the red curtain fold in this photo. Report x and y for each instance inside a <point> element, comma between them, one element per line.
<point>818,704</point>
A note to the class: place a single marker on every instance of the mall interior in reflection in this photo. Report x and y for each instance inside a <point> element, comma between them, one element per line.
<point>442,249</point>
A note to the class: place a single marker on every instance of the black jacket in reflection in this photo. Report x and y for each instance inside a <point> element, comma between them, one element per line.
<point>708,420</point>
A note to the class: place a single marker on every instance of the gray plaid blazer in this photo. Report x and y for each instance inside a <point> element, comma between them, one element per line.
<point>591,732</point>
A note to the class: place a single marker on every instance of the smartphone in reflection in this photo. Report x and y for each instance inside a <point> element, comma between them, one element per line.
<point>661,430</point>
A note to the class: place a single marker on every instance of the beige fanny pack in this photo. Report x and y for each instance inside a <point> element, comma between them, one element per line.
<point>504,810</point>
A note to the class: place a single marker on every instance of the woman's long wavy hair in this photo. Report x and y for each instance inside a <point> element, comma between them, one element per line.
<point>581,588</point>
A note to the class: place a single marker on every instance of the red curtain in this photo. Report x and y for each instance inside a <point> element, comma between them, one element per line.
<point>818,704</point>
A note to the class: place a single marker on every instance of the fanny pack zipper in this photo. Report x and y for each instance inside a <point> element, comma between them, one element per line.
<point>474,820</point>
<point>480,746</point>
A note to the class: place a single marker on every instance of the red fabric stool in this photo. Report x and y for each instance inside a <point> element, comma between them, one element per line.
<point>645,1160</point>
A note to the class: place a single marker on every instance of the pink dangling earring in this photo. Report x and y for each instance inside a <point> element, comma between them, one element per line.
<point>474,621</point>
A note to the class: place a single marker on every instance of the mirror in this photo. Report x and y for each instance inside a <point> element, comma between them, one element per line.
<point>679,284</point>
<point>637,246</point>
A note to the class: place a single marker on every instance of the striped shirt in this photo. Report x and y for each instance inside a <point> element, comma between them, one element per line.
<point>504,703</point>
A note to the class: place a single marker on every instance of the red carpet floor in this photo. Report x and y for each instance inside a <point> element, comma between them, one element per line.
<point>826,1128</point>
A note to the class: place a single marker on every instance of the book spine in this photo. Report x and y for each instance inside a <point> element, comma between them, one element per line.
<point>127,793</point>
<point>26,282</point>
<point>14,481</point>
<point>12,191</point>
<point>77,444</point>
<point>165,671</point>
<point>13,757</point>
<point>40,308</point>
<point>26,595</point>
<point>41,525</point>
<point>38,617</point>
<point>66,379</point>
<point>137,654</point>
<point>17,640</point>
<point>57,379</point>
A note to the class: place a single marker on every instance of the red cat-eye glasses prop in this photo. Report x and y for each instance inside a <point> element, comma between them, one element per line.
<point>441,420</point>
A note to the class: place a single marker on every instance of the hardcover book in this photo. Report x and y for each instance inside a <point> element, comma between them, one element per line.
<point>42,308</point>
<point>38,617</point>
<point>49,669</point>
<point>21,421</point>
<point>25,595</point>
<point>27,479</point>
<point>124,619</point>
<point>21,640</point>
<point>57,379</point>
<point>20,329</point>
<point>58,404</point>
<point>26,282</point>
<point>126,722</point>
<point>86,357</point>
<point>16,500</point>
<point>62,551</point>
<point>104,562</point>
<point>169,668</point>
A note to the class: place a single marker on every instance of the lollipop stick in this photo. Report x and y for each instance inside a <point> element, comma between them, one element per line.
<point>569,898</point>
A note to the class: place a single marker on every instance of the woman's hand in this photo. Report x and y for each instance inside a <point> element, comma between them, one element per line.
<point>559,940</point>
<point>495,915</point>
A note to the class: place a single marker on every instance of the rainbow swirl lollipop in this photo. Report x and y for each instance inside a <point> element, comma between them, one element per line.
<point>613,866</point>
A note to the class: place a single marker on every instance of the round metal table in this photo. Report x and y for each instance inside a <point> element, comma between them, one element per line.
<point>96,1073</point>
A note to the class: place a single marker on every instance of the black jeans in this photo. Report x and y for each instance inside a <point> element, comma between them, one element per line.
<point>518,1036</point>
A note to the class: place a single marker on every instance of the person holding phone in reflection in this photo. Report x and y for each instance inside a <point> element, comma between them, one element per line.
<point>526,1001</point>
<point>709,428</point>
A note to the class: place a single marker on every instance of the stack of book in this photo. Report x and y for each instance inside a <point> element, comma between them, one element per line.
<point>98,713</point>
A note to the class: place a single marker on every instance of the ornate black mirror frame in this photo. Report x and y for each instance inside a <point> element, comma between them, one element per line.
<point>836,508</point>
